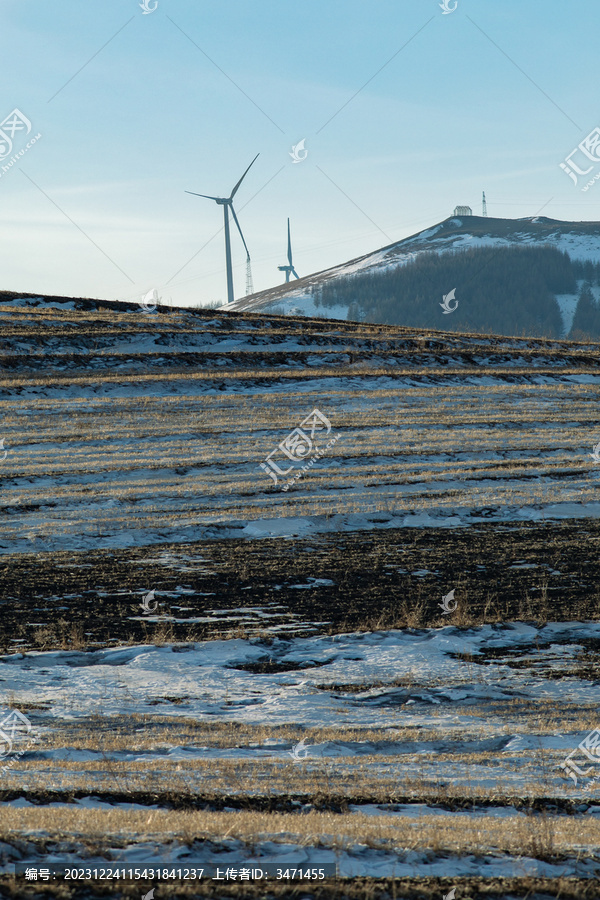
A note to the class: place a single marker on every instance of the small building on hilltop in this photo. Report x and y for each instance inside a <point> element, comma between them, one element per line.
<point>463,211</point>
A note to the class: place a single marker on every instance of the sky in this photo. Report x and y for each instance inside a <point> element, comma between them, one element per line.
<point>405,110</point>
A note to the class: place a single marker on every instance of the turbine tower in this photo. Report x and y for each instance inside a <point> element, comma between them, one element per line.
<point>484,206</point>
<point>289,269</point>
<point>227,204</point>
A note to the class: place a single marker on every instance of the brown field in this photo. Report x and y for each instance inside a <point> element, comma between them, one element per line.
<point>133,468</point>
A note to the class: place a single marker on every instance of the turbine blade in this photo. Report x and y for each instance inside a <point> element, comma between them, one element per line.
<point>208,197</point>
<point>295,273</point>
<point>289,245</point>
<point>239,228</point>
<point>243,176</point>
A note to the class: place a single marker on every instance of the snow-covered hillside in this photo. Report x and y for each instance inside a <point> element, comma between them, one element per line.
<point>581,240</point>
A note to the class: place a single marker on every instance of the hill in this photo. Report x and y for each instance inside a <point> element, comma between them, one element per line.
<point>333,292</point>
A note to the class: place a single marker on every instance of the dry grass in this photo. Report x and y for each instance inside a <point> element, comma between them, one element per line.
<point>539,836</point>
<point>394,443</point>
<point>394,763</point>
<point>447,442</point>
<point>140,732</point>
<point>374,778</point>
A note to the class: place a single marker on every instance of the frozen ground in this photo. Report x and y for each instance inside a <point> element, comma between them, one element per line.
<point>116,423</point>
<point>211,679</point>
<point>359,861</point>
<point>478,736</point>
<point>395,751</point>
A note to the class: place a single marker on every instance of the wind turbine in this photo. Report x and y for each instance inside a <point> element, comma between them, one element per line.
<point>227,204</point>
<point>289,269</point>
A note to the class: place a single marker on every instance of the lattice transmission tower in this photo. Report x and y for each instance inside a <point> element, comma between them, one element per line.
<point>249,284</point>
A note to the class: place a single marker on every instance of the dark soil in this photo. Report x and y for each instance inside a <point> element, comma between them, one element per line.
<point>73,600</point>
<point>302,803</point>
<point>347,889</point>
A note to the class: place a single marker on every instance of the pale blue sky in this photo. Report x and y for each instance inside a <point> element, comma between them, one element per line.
<point>184,97</point>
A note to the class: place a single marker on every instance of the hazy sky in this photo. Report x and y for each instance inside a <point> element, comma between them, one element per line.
<point>405,112</point>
